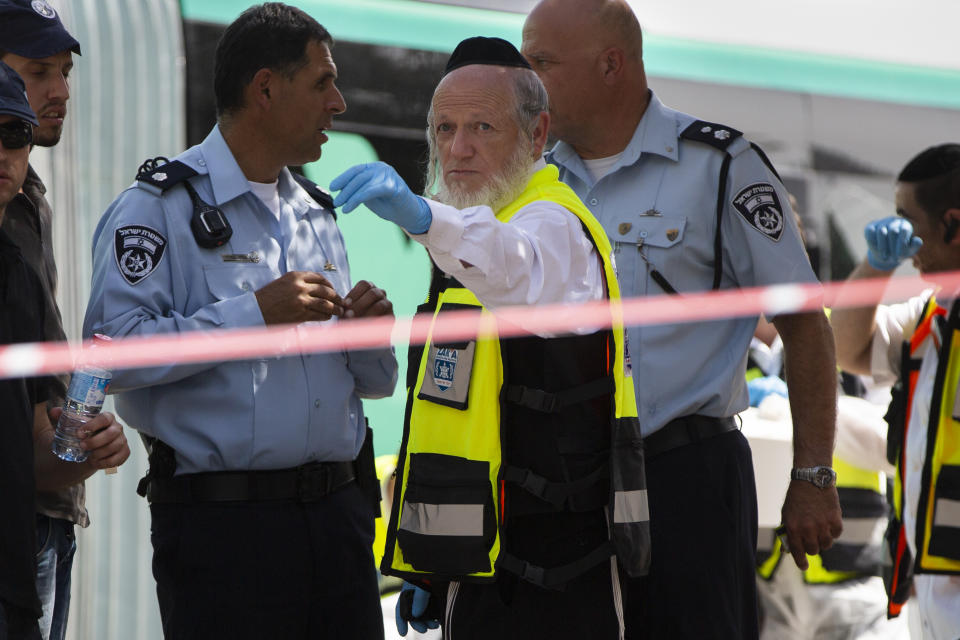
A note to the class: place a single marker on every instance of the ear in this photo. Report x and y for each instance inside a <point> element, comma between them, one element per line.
<point>540,132</point>
<point>259,89</point>
<point>611,62</point>
<point>951,218</point>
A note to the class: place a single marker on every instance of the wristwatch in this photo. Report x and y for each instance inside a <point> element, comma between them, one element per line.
<point>820,477</point>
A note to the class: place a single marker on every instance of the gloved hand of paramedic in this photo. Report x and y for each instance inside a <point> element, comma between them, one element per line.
<point>889,242</point>
<point>381,188</point>
<point>760,388</point>
<point>411,607</point>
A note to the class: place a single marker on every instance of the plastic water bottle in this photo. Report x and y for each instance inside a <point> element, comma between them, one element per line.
<point>85,396</point>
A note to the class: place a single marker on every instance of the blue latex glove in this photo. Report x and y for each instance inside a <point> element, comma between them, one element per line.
<point>385,193</point>
<point>760,388</point>
<point>889,242</point>
<point>421,599</point>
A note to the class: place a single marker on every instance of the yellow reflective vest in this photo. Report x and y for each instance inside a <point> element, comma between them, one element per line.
<point>938,505</point>
<point>463,456</point>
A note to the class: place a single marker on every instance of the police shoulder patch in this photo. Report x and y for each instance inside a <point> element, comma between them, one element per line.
<point>716,135</point>
<point>759,205</point>
<point>138,250</point>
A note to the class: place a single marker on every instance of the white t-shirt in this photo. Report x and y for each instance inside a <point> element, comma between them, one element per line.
<point>269,194</point>
<point>599,167</point>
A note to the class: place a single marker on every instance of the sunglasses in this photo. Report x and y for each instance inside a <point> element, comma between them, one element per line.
<point>16,135</point>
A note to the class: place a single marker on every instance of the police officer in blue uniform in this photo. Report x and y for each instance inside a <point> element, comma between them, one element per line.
<point>690,206</point>
<point>261,522</point>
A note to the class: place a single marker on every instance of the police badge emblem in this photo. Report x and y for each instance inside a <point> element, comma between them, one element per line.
<point>138,251</point>
<point>760,206</point>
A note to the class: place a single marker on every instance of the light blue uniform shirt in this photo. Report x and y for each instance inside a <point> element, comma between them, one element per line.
<point>662,195</point>
<point>267,413</point>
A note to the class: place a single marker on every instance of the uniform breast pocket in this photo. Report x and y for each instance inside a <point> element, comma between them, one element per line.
<point>232,280</point>
<point>660,232</point>
<point>645,244</point>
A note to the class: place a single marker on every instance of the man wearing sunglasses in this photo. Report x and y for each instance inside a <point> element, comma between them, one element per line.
<point>35,43</point>
<point>21,315</point>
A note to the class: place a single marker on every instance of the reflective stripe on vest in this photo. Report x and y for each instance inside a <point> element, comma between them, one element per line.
<point>937,517</point>
<point>447,519</point>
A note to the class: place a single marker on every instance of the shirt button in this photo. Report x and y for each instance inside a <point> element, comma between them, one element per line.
<point>316,403</point>
<point>643,234</point>
<point>593,201</point>
<point>245,286</point>
<point>202,163</point>
<point>353,417</point>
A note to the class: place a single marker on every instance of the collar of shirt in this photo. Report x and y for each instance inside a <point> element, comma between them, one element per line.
<point>33,182</point>
<point>215,159</point>
<point>658,132</point>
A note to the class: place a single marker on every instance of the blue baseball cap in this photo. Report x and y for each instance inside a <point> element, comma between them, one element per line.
<point>32,29</point>
<point>13,96</point>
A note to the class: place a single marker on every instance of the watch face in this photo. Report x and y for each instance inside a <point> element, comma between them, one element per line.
<point>823,477</point>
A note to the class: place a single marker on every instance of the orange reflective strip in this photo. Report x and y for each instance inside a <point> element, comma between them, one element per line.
<point>924,329</point>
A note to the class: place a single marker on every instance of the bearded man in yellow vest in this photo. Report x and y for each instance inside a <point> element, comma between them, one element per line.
<point>917,344</point>
<point>520,497</point>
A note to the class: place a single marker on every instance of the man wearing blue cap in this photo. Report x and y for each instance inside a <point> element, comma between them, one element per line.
<point>21,312</point>
<point>35,43</point>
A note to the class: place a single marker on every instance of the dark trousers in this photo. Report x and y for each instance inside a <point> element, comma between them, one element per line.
<point>703,520</point>
<point>272,569</point>
<point>513,609</point>
<point>17,623</point>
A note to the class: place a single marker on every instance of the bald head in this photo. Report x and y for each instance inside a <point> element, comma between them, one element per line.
<point>589,55</point>
<point>599,23</point>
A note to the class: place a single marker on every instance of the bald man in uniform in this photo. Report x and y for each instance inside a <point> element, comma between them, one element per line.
<point>690,206</point>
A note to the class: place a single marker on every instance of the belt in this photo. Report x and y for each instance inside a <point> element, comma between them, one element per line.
<point>306,483</point>
<point>680,432</point>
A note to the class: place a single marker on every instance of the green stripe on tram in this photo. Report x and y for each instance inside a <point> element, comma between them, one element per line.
<point>436,27</point>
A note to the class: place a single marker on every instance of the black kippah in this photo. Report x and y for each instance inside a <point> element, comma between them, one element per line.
<point>481,50</point>
<point>931,163</point>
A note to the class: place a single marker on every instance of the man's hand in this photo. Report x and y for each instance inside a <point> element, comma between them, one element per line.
<point>299,296</point>
<point>366,301</point>
<point>812,519</point>
<point>385,193</point>
<point>890,241</point>
<point>105,442</point>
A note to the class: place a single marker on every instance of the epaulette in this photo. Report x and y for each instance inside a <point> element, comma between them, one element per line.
<point>322,198</point>
<point>162,173</point>
<point>716,135</point>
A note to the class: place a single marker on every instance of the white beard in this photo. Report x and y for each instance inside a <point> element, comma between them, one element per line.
<point>501,189</point>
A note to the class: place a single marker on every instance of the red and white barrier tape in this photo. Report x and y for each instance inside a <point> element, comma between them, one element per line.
<point>31,359</point>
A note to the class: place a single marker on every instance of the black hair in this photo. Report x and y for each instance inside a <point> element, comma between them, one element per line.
<point>935,174</point>
<point>272,35</point>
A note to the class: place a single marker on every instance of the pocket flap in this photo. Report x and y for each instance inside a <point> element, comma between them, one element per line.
<point>657,231</point>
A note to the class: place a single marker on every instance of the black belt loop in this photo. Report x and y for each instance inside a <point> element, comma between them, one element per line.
<point>680,432</point>
<point>306,483</point>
